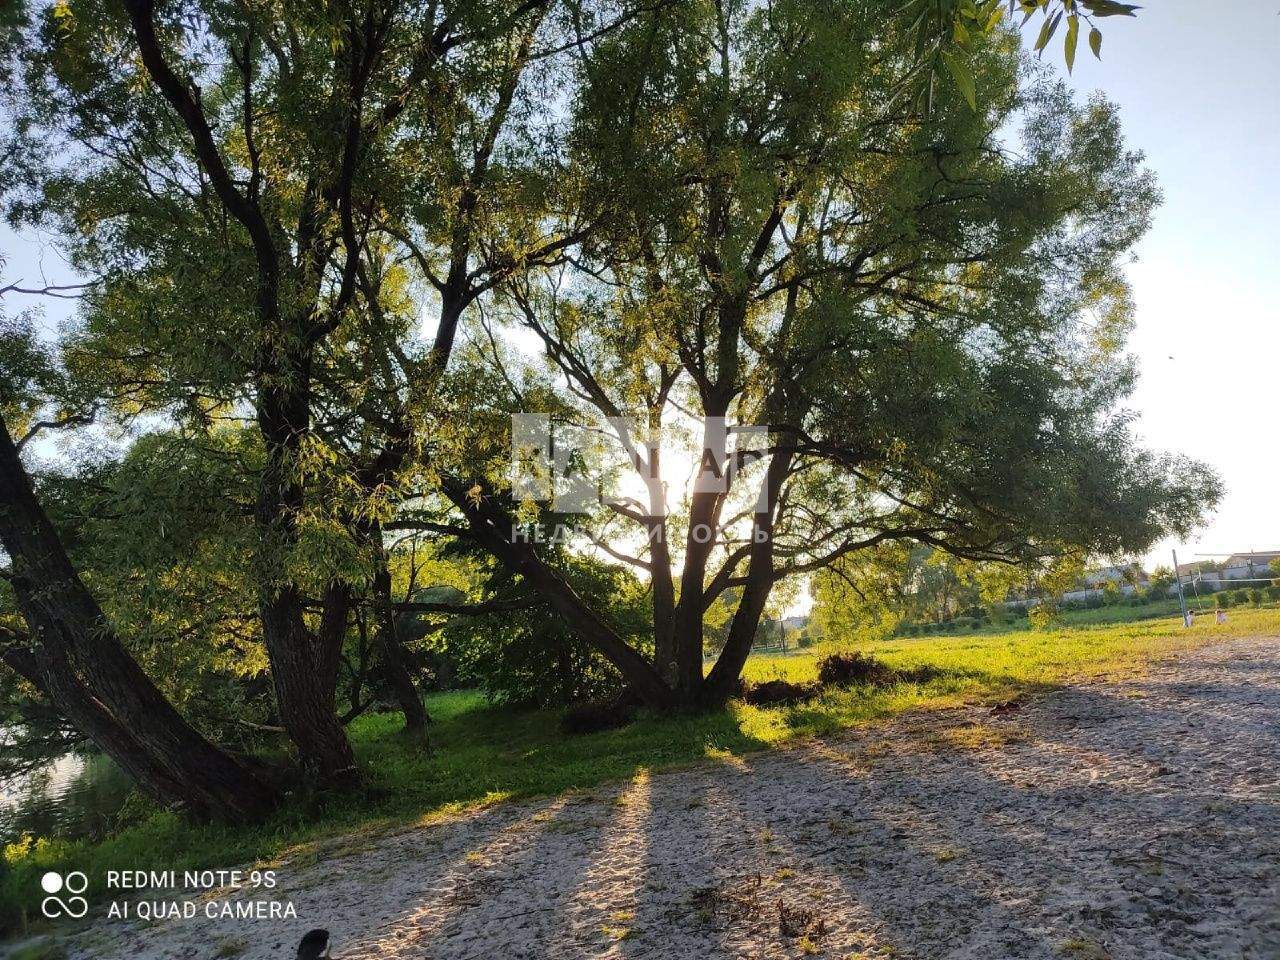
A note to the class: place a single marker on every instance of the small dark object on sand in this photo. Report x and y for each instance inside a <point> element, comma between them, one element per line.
<point>314,946</point>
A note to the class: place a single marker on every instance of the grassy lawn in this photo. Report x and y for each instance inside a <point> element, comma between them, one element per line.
<point>483,754</point>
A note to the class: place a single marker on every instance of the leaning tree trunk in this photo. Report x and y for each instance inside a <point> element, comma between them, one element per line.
<point>722,682</point>
<point>491,528</point>
<point>75,658</point>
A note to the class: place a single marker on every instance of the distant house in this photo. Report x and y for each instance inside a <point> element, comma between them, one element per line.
<point>1256,561</point>
<point>1238,566</point>
<point>1127,577</point>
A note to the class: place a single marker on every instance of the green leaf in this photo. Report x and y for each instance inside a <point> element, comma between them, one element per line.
<point>963,78</point>
<point>1095,42</point>
<point>1109,8</point>
<point>1069,45</point>
<point>1048,30</point>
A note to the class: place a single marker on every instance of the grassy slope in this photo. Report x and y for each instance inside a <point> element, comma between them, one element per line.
<point>484,754</point>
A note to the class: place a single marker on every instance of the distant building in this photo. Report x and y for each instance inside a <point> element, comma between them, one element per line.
<point>1238,566</point>
<point>1258,561</point>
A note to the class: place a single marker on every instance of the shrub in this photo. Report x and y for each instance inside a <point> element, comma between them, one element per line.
<point>592,716</point>
<point>1240,597</point>
<point>846,669</point>
<point>1043,616</point>
<point>774,693</point>
<point>1223,598</point>
<point>1255,597</point>
<point>531,659</point>
<point>1272,592</point>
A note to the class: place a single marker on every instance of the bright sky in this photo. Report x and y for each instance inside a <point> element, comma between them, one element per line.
<point>1197,84</point>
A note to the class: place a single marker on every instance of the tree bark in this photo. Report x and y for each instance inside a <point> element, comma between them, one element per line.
<point>77,660</point>
<point>303,663</point>
<point>391,654</point>
<point>723,680</point>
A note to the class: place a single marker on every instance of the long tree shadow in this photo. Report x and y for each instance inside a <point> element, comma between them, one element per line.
<point>1048,848</point>
<point>1136,818</point>
<point>438,898</point>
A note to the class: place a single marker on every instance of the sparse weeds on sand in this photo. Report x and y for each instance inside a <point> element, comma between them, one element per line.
<point>41,950</point>
<point>1079,948</point>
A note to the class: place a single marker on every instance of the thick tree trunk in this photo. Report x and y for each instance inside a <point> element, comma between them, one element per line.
<point>77,660</point>
<point>392,657</point>
<point>664,601</point>
<point>688,639</point>
<point>303,662</point>
<point>704,519</point>
<point>722,682</point>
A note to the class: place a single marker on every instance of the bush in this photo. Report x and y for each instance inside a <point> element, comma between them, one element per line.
<point>1255,597</point>
<point>1240,597</point>
<point>1223,598</point>
<point>595,715</point>
<point>1272,592</point>
<point>846,669</point>
<point>774,693</point>
<point>531,659</point>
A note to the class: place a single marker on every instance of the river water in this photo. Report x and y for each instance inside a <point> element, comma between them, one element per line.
<point>74,797</point>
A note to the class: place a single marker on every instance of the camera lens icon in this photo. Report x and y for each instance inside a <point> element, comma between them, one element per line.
<point>74,883</point>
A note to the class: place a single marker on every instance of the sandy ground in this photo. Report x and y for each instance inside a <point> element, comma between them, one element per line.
<point>1133,819</point>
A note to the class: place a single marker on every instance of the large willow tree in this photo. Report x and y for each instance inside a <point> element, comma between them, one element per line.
<point>250,188</point>
<point>927,312</point>
<point>808,215</point>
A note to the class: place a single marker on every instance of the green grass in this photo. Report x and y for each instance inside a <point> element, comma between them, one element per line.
<point>484,754</point>
<point>1124,612</point>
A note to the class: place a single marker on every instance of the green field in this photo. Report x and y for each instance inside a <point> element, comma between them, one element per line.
<point>483,754</point>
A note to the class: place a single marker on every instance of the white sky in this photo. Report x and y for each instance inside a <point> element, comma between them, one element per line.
<point>1198,85</point>
<point>1199,89</point>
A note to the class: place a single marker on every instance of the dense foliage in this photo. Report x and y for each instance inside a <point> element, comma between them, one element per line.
<point>330,249</point>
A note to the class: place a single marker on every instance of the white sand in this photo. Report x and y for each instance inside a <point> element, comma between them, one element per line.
<point>1136,819</point>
